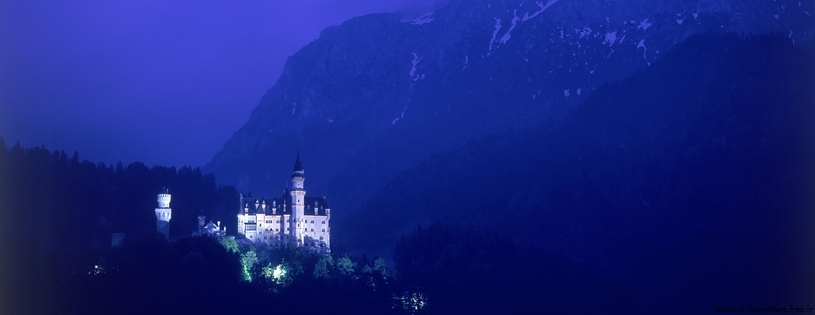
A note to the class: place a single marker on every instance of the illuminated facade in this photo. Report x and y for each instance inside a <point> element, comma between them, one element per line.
<point>211,228</point>
<point>293,218</point>
<point>164,213</point>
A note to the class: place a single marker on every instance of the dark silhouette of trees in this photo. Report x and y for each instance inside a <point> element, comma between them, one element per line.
<point>58,213</point>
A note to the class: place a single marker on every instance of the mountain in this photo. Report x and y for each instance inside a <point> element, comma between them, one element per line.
<point>379,93</point>
<point>692,179</point>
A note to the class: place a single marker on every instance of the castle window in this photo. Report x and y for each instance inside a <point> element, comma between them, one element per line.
<point>312,230</point>
<point>323,230</point>
<point>312,221</point>
<point>323,221</point>
<point>321,238</point>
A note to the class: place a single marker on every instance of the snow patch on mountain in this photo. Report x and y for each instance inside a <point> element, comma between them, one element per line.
<point>415,61</point>
<point>611,37</point>
<point>515,19</point>
<point>644,25</point>
<point>584,32</point>
<point>495,33</point>
<point>543,8</point>
<point>644,49</point>
<point>399,117</point>
<point>423,19</point>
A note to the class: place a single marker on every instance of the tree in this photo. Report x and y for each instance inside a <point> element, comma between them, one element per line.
<point>229,244</point>
<point>248,260</point>
<point>381,268</point>
<point>323,267</point>
<point>345,266</point>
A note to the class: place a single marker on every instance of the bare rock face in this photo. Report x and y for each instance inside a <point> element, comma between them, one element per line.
<point>379,93</point>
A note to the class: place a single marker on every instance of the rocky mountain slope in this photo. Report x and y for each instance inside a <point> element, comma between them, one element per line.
<point>379,93</point>
<point>680,179</point>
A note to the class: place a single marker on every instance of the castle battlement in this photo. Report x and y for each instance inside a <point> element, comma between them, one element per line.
<point>164,213</point>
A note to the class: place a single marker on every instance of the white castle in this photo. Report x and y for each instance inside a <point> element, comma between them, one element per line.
<point>164,213</point>
<point>293,218</point>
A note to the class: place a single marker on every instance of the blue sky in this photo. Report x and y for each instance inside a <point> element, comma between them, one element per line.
<point>161,82</point>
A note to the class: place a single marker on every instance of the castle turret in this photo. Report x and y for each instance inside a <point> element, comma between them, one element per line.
<point>164,213</point>
<point>298,196</point>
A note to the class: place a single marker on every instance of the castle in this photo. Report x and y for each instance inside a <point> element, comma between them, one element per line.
<point>163,216</point>
<point>293,218</point>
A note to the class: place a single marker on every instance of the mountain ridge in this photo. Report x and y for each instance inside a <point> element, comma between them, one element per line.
<point>671,176</point>
<point>376,94</point>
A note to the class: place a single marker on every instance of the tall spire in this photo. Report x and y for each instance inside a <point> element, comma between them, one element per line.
<point>298,166</point>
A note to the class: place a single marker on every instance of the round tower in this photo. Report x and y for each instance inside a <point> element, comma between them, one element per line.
<point>164,199</point>
<point>298,176</point>
<point>298,196</point>
<point>164,213</point>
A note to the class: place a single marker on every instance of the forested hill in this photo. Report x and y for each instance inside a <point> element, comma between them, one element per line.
<point>57,213</point>
<point>696,171</point>
<point>68,204</point>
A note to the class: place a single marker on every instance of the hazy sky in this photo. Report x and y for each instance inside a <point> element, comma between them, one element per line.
<point>158,81</point>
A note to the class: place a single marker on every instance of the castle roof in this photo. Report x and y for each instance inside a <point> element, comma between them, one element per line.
<point>211,226</point>
<point>298,166</point>
<point>312,205</point>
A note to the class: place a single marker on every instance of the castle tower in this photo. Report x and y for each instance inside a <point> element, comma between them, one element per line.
<point>260,219</point>
<point>298,196</point>
<point>164,213</point>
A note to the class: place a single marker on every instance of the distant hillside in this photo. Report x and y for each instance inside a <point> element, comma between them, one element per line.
<point>68,205</point>
<point>58,213</point>
<point>695,171</point>
<point>379,93</point>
